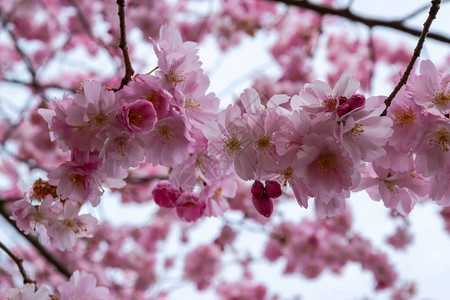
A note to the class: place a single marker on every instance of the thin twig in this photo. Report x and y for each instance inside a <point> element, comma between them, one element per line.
<point>123,45</point>
<point>347,14</point>
<point>19,262</point>
<point>23,55</point>
<point>138,180</point>
<point>426,27</point>
<point>419,10</point>
<point>61,267</point>
<point>41,86</point>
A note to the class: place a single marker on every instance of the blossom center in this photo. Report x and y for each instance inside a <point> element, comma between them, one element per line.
<point>76,179</point>
<point>232,144</point>
<point>135,117</point>
<point>287,175</point>
<point>191,104</point>
<point>391,186</point>
<point>325,162</point>
<point>263,142</point>
<point>217,193</point>
<point>330,103</point>
<point>173,77</point>
<point>164,133</point>
<point>356,130</point>
<point>441,139</point>
<point>404,117</point>
<point>121,142</point>
<point>442,97</point>
<point>153,99</point>
<point>100,120</point>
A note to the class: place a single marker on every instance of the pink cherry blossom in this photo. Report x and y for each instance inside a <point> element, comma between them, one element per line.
<point>165,195</point>
<point>168,143</point>
<point>202,264</point>
<point>189,208</point>
<point>323,166</point>
<point>431,89</point>
<point>398,190</point>
<point>138,116</point>
<point>70,225</point>
<point>82,285</point>
<point>28,292</point>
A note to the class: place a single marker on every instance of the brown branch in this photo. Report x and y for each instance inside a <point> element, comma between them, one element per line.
<point>19,263</point>
<point>41,86</point>
<point>419,10</point>
<point>426,27</point>
<point>370,22</point>
<point>60,266</point>
<point>23,55</point>
<point>123,45</point>
<point>138,180</point>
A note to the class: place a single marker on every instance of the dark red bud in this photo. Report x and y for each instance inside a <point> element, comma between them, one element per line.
<point>257,189</point>
<point>165,195</point>
<point>343,109</point>
<point>273,189</point>
<point>356,100</point>
<point>263,205</point>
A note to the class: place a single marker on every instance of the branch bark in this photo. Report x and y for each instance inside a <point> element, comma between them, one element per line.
<point>123,45</point>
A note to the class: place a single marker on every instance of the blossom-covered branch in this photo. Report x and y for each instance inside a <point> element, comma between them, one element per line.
<point>59,265</point>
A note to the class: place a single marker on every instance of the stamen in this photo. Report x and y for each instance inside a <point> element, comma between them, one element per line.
<point>164,133</point>
<point>325,162</point>
<point>404,117</point>
<point>231,145</point>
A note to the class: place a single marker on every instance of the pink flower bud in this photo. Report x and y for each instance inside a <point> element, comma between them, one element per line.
<point>273,189</point>
<point>356,100</point>
<point>343,109</point>
<point>257,189</point>
<point>165,194</point>
<point>189,208</point>
<point>263,205</point>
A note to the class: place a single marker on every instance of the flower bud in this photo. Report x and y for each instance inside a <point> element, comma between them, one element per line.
<point>257,189</point>
<point>273,189</point>
<point>165,194</point>
<point>343,109</point>
<point>263,205</point>
<point>356,100</point>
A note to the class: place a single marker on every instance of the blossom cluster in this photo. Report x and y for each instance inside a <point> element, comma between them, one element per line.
<point>55,220</point>
<point>313,246</point>
<point>81,285</point>
<point>324,142</point>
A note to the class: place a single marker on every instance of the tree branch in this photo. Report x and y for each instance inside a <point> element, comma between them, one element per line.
<point>23,55</point>
<point>41,86</point>
<point>62,268</point>
<point>419,10</point>
<point>370,22</point>
<point>426,27</point>
<point>19,263</point>
<point>123,45</point>
<point>138,180</point>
